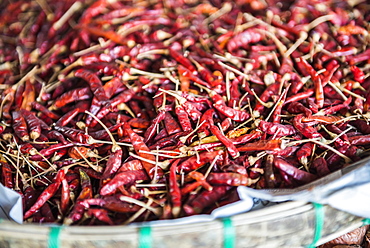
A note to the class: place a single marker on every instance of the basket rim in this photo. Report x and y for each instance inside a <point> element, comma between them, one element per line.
<point>41,232</point>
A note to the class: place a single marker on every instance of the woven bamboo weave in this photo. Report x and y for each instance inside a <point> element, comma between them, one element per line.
<point>290,224</point>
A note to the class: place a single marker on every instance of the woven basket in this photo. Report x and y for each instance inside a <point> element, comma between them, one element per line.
<point>290,224</point>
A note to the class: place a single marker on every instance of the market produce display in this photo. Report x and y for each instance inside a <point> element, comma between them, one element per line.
<point>115,112</point>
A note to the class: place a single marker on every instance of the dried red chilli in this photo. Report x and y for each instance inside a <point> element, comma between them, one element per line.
<point>171,124</point>
<point>318,85</point>
<point>306,130</point>
<point>35,125</point>
<point>20,126</point>
<point>214,101</point>
<point>262,145</point>
<point>150,132</point>
<point>269,173</point>
<point>46,194</point>
<point>94,82</point>
<point>276,129</point>
<point>140,148</point>
<point>229,178</point>
<point>234,114</point>
<point>320,166</point>
<point>74,95</point>
<point>70,116</point>
<point>6,173</point>
<point>113,164</point>
<point>183,118</point>
<point>44,110</point>
<point>174,190</point>
<point>200,181</point>
<point>299,175</point>
<point>205,199</point>
<point>47,152</point>
<point>122,97</point>
<point>195,162</point>
<point>123,178</point>
<point>73,134</point>
<point>170,140</point>
<point>65,196</point>
<point>132,165</point>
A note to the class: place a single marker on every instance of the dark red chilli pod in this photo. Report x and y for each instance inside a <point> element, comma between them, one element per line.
<point>171,125</point>
<point>269,173</point>
<point>300,96</point>
<point>318,85</point>
<point>68,117</point>
<point>183,118</point>
<point>231,148</point>
<point>20,126</point>
<point>362,126</point>
<point>195,162</point>
<point>299,175</point>
<point>276,129</point>
<point>30,196</point>
<point>47,152</point>
<point>131,166</point>
<point>116,205</point>
<point>358,74</point>
<point>35,125</point>
<point>113,164</point>
<point>140,147</point>
<point>96,86</point>
<point>170,140</point>
<point>55,135</point>
<point>229,178</point>
<point>182,60</point>
<point>121,179</point>
<point>205,199</point>
<point>305,152</point>
<point>6,173</point>
<point>234,114</point>
<point>138,123</point>
<point>65,197</point>
<point>174,192</point>
<point>360,140</point>
<point>149,133</point>
<point>321,167</point>
<point>100,214</point>
<point>243,39</point>
<point>122,97</point>
<point>73,134</point>
<point>86,186</point>
<point>46,194</point>
<point>45,110</point>
<point>72,96</point>
<point>304,129</point>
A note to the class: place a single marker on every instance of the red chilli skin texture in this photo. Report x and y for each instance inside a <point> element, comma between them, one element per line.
<point>114,112</point>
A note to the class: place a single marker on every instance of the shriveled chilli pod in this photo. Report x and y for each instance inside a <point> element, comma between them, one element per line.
<point>112,114</point>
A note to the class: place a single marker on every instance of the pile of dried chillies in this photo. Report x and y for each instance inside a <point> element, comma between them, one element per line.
<point>116,111</point>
